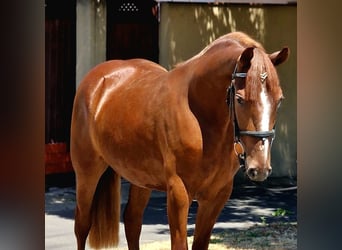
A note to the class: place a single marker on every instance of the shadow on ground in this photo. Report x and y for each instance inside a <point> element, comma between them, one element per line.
<point>250,202</point>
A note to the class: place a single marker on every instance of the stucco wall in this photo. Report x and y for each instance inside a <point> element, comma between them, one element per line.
<point>185,29</point>
<point>91,36</point>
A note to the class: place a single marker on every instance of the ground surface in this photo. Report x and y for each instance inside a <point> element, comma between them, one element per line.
<point>256,217</point>
<point>260,236</point>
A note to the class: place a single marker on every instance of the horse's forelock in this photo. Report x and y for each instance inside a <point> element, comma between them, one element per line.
<point>260,63</point>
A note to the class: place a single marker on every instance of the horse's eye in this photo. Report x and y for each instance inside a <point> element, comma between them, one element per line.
<point>239,99</point>
<point>279,102</point>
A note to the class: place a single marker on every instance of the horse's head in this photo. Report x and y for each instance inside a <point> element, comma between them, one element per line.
<point>254,97</point>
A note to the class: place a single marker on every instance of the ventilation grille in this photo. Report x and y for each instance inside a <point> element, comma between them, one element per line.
<point>128,7</point>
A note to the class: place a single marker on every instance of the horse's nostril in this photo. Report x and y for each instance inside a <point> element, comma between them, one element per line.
<point>252,172</point>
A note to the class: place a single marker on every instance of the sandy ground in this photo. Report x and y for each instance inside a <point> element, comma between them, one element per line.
<point>248,205</point>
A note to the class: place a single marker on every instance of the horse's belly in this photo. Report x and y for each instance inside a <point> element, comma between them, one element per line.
<point>141,171</point>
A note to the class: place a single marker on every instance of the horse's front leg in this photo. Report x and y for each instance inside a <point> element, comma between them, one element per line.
<point>133,214</point>
<point>207,213</point>
<point>177,208</point>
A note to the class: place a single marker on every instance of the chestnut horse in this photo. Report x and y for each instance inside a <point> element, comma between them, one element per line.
<point>185,131</point>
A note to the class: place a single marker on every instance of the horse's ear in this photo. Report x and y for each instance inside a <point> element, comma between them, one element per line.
<point>245,58</point>
<point>280,56</point>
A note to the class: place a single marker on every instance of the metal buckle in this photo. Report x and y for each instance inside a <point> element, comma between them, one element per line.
<point>238,148</point>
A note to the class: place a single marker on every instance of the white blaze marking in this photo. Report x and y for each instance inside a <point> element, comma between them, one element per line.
<point>265,118</point>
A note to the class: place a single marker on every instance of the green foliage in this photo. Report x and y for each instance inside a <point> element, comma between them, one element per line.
<point>280,212</point>
<point>263,220</point>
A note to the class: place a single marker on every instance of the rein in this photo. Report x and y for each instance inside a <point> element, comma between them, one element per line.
<point>262,135</point>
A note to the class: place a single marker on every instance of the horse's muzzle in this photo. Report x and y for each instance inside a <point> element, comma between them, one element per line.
<point>258,173</point>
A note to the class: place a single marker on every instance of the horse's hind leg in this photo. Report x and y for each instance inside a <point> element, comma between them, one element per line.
<point>133,214</point>
<point>86,183</point>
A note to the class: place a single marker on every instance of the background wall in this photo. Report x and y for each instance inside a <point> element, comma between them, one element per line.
<point>91,36</point>
<point>185,29</point>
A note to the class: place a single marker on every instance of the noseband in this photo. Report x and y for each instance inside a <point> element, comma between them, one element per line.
<point>261,135</point>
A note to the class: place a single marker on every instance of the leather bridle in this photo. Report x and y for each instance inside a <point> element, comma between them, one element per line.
<point>262,135</point>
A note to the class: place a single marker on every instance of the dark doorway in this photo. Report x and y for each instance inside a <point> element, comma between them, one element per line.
<point>132,29</point>
<point>60,71</point>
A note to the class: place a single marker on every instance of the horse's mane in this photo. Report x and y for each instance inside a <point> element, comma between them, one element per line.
<point>260,62</point>
<point>238,38</point>
<point>243,39</point>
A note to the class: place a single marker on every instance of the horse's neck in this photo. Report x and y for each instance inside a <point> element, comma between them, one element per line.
<point>208,91</point>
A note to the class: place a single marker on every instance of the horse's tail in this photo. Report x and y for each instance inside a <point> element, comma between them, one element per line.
<point>105,211</point>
